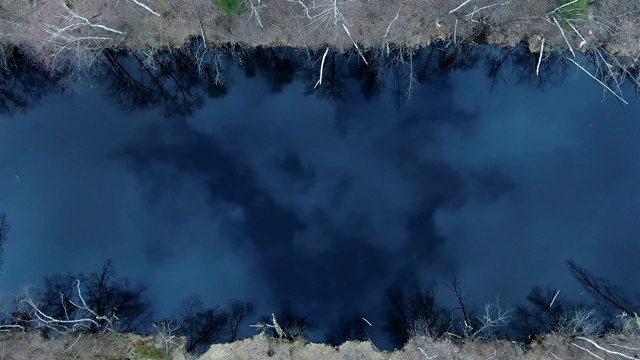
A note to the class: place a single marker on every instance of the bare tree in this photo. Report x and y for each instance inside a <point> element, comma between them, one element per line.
<point>496,61</point>
<point>459,56</point>
<point>609,295</point>
<point>349,328</point>
<point>489,321</point>
<point>56,296</point>
<point>170,327</point>
<point>201,326</point>
<point>77,315</point>
<point>237,312</point>
<point>370,76</point>
<point>548,311</point>
<point>110,302</point>
<point>456,287</point>
<point>414,312</point>
<point>483,325</point>
<point>543,313</point>
<point>21,83</point>
<point>333,81</point>
<point>127,86</point>
<point>173,78</point>
<point>66,40</point>
<point>276,64</point>
<point>108,294</point>
<point>204,328</point>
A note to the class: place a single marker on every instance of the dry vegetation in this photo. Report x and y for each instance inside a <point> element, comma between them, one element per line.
<point>52,29</point>
<point>33,346</point>
<point>109,345</point>
<point>66,37</point>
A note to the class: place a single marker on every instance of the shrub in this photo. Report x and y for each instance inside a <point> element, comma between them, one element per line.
<point>580,322</point>
<point>628,324</point>
<point>147,352</point>
<point>232,6</point>
<point>574,9</point>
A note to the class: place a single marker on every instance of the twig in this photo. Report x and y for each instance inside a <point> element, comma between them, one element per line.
<point>561,6</point>
<point>587,350</point>
<point>306,9</point>
<point>7,328</point>
<point>463,4</point>
<point>455,31</point>
<point>86,22</point>
<point>604,349</point>
<point>204,39</point>
<point>609,66</point>
<point>493,317</point>
<point>598,80</point>
<point>412,78</point>
<point>165,331</point>
<point>276,326</point>
<point>425,355</point>
<point>75,342</point>
<point>557,291</point>
<point>625,347</point>
<point>577,32</point>
<point>565,38</point>
<point>102,26</point>
<point>331,13</point>
<point>486,7</point>
<point>146,7</point>
<point>537,74</point>
<point>51,322</point>
<point>391,23</point>
<point>354,44</point>
<point>322,68</point>
<point>255,14</point>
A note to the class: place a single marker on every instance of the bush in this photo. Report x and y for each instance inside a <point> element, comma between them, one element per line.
<point>147,352</point>
<point>576,10</point>
<point>580,322</point>
<point>628,324</point>
<point>233,6</point>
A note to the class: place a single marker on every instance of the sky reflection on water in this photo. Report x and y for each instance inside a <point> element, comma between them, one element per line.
<point>273,196</point>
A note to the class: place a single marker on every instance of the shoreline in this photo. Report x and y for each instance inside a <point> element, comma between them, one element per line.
<point>159,346</point>
<point>180,80</point>
<point>66,38</point>
<point>53,30</point>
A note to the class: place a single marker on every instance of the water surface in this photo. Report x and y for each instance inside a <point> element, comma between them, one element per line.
<point>268,193</point>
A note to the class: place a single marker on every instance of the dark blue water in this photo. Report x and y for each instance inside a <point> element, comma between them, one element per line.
<point>266,190</point>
